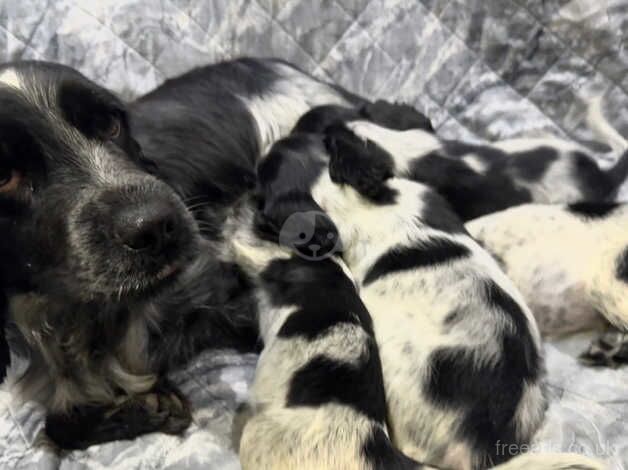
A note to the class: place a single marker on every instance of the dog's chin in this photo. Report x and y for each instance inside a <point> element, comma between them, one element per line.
<point>141,287</point>
<point>146,288</point>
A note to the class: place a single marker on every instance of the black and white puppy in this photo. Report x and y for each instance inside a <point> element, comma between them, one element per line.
<point>317,400</point>
<point>570,263</point>
<point>106,280</point>
<point>480,179</point>
<point>447,321</point>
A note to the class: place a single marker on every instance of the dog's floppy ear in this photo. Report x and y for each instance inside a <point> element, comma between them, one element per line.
<point>360,164</point>
<point>396,116</point>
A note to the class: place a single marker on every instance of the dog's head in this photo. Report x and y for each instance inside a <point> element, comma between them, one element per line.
<point>80,213</point>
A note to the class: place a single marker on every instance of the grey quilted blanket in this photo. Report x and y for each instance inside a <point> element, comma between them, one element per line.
<point>481,69</point>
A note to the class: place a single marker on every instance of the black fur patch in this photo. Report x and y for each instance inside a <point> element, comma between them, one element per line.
<point>622,266</point>
<point>459,382</point>
<point>617,174</point>
<point>324,295</point>
<point>379,451</point>
<point>473,194</point>
<point>594,184</point>
<point>469,193</point>
<point>211,307</point>
<point>430,252</point>
<point>324,380</point>
<point>199,131</point>
<point>362,165</point>
<point>527,358</point>
<point>321,290</point>
<point>89,108</point>
<point>396,116</point>
<point>592,210</point>
<point>294,162</point>
<point>438,214</point>
<point>318,119</point>
<point>531,165</point>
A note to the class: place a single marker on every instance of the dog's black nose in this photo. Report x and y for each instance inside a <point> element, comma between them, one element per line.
<point>147,227</point>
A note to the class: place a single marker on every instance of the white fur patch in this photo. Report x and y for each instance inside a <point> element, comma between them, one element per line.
<point>10,78</point>
<point>564,264</point>
<point>275,113</point>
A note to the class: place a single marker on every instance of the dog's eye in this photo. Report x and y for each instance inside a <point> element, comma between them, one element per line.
<point>9,180</point>
<point>113,129</point>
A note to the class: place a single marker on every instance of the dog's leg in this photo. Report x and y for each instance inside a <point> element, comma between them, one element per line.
<point>610,349</point>
<point>162,409</point>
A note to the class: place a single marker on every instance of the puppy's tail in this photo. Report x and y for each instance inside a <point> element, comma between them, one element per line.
<point>552,462</point>
<point>602,128</point>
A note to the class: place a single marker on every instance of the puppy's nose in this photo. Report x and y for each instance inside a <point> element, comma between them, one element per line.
<point>147,227</point>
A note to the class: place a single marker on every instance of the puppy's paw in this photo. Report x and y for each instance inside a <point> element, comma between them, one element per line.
<point>360,164</point>
<point>396,116</point>
<point>609,350</point>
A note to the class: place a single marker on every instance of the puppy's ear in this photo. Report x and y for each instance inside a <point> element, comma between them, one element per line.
<point>396,116</point>
<point>360,164</point>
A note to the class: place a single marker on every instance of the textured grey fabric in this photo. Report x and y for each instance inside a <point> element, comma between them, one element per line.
<point>481,69</point>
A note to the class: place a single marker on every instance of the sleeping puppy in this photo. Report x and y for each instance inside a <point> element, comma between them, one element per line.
<point>480,179</point>
<point>317,401</point>
<point>447,320</point>
<point>570,263</point>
